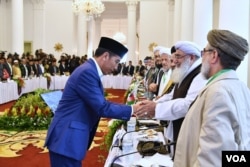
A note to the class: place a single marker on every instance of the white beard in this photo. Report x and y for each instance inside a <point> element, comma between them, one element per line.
<point>179,73</point>
<point>205,68</point>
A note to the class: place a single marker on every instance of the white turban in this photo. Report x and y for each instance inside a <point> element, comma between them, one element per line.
<point>165,50</point>
<point>157,48</point>
<point>188,48</point>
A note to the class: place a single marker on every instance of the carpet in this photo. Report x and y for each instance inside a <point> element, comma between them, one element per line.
<point>25,149</point>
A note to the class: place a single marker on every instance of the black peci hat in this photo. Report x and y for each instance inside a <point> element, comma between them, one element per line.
<point>113,46</point>
<point>173,49</point>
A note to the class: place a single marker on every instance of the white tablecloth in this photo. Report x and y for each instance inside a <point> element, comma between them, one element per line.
<point>58,82</point>
<point>33,84</point>
<point>137,159</point>
<point>116,82</point>
<point>8,91</point>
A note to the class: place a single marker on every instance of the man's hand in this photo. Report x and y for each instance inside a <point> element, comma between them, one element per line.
<point>152,87</point>
<point>146,108</point>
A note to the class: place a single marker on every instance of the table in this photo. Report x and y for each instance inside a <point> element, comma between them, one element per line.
<point>137,159</point>
<point>116,81</point>
<point>32,84</point>
<point>8,91</point>
<point>58,82</point>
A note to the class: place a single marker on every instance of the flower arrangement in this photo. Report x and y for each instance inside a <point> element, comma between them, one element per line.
<point>28,113</point>
<point>48,77</point>
<point>20,81</point>
<point>136,80</point>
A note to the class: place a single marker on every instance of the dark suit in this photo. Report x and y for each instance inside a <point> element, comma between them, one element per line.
<point>53,70</point>
<point>63,69</point>
<point>38,70</point>
<point>79,111</point>
<point>140,70</point>
<point>33,69</point>
<point>122,70</point>
<point>130,70</point>
<point>25,70</point>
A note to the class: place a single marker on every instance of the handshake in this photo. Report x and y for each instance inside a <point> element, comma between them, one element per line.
<point>144,109</point>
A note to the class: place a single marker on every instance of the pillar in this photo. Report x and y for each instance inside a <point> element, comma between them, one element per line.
<point>17,26</point>
<point>90,38</point>
<point>131,39</point>
<point>82,35</point>
<point>97,38</point>
<point>38,24</point>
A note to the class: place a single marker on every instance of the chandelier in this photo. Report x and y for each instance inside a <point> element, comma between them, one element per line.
<point>119,36</point>
<point>92,8</point>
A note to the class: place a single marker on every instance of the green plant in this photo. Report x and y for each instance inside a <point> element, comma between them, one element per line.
<point>108,138</point>
<point>28,113</point>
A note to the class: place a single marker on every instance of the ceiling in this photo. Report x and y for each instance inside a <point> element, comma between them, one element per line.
<point>114,18</point>
<point>117,10</point>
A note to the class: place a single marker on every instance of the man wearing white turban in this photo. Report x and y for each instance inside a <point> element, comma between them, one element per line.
<point>164,73</point>
<point>189,81</point>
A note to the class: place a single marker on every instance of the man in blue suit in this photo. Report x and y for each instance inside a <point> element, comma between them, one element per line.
<point>82,105</point>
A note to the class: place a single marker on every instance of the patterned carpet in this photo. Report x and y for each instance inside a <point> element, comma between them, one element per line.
<point>25,148</point>
<point>11,142</point>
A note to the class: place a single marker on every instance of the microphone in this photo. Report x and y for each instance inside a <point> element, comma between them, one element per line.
<point>113,164</point>
<point>120,141</point>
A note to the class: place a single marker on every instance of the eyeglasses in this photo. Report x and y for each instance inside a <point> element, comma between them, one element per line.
<point>204,51</point>
<point>177,56</point>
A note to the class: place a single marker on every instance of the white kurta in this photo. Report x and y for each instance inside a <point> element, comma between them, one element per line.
<point>164,80</point>
<point>218,120</point>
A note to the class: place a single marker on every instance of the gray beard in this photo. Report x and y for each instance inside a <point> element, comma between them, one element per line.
<point>179,73</point>
<point>205,68</point>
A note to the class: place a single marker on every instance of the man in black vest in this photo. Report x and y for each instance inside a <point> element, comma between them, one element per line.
<point>188,82</point>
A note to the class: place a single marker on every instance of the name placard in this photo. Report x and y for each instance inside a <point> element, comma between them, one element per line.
<point>235,158</point>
